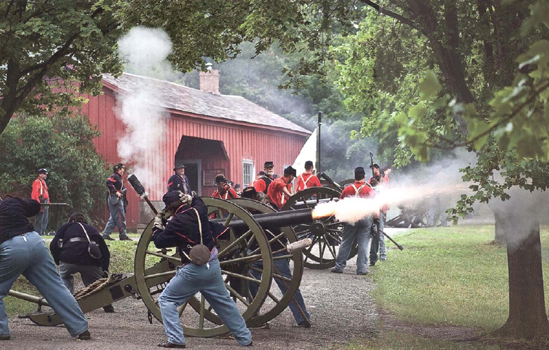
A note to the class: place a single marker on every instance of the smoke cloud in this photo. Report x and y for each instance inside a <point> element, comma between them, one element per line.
<point>145,52</point>
<point>439,184</point>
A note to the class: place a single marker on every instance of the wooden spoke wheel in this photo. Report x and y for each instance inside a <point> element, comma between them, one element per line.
<point>276,301</point>
<point>326,233</point>
<point>154,269</point>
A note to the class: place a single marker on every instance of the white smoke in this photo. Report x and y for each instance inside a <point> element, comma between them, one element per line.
<point>144,51</point>
<point>439,183</point>
<point>352,209</point>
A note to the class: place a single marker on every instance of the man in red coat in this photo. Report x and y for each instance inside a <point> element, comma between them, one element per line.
<point>224,191</point>
<point>360,231</point>
<point>307,179</point>
<point>41,195</point>
<point>262,184</point>
<point>281,189</point>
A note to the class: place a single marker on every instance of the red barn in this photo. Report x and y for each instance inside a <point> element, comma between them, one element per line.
<point>208,132</point>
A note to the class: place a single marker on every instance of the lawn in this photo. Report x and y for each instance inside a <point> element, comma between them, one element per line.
<point>452,275</point>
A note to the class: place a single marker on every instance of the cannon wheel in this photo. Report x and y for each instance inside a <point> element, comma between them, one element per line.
<point>233,259</point>
<point>324,232</point>
<point>270,312</point>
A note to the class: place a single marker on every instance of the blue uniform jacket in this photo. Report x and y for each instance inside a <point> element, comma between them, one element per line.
<point>182,230</point>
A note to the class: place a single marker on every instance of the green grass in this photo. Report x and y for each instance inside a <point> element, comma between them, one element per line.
<point>399,341</point>
<point>122,259</point>
<point>451,276</point>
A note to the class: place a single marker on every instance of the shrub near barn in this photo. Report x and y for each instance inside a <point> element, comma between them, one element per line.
<point>63,145</point>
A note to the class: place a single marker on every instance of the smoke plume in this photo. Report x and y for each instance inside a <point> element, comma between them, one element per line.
<point>144,51</point>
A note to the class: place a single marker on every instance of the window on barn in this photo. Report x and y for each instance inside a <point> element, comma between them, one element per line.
<point>247,172</point>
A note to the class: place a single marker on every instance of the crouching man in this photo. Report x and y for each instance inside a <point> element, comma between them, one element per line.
<point>22,251</point>
<point>194,236</point>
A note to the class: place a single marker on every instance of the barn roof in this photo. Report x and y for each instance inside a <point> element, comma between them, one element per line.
<point>186,99</point>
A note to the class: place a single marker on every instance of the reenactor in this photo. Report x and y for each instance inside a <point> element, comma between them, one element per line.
<point>179,181</point>
<point>195,238</point>
<point>262,184</point>
<point>307,179</point>
<point>79,248</point>
<point>23,252</point>
<point>378,239</point>
<point>375,179</point>
<point>281,189</point>
<point>361,231</point>
<point>282,266</point>
<point>41,195</point>
<point>224,190</point>
<point>116,201</point>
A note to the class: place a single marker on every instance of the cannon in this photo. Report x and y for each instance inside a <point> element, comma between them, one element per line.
<point>246,243</point>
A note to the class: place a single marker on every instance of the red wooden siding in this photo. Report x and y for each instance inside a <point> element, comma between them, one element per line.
<point>241,141</point>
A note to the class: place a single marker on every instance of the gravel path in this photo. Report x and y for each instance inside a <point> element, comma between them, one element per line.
<point>340,305</point>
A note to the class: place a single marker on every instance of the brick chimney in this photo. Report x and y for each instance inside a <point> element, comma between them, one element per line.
<point>209,81</point>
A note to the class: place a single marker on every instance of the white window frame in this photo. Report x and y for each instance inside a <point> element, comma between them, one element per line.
<point>245,182</point>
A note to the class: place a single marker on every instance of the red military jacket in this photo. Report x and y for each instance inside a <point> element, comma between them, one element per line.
<point>40,191</point>
<point>227,194</point>
<point>358,189</point>
<point>276,194</point>
<point>306,180</point>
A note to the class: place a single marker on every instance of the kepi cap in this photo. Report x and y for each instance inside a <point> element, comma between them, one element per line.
<point>268,164</point>
<point>359,170</point>
<point>220,179</point>
<point>290,171</point>
<point>179,166</point>
<point>249,192</point>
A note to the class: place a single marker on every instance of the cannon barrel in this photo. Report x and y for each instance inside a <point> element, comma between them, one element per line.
<point>273,220</point>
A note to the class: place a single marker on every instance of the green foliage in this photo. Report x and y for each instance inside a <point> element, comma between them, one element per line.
<point>63,145</point>
<point>46,46</point>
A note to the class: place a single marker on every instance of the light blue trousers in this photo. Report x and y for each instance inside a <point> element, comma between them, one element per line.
<point>189,280</point>
<point>28,255</point>
<point>361,232</point>
<point>117,218</point>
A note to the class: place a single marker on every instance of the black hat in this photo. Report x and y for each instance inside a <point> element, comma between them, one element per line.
<point>268,164</point>
<point>179,166</point>
<point>374,166</point>
<point>359,170</point>
<point>43,171</point>
<point>171,197</point>
<point>249,192</point>
<point>118,166</point>
<point>220,179</point>
<point>290,171</point>
<point>308,164</point>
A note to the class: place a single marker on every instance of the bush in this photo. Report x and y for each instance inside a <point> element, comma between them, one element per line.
<point>63,144</point>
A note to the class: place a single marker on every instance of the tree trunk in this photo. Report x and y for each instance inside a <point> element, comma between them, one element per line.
<point>527,315</point>
<point>500,236</point>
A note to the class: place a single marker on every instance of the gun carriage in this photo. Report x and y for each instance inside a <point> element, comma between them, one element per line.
<point>246,247</point>
<point>243,245</point>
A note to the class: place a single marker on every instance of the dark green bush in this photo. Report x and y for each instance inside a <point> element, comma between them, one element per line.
<point>64,145</point>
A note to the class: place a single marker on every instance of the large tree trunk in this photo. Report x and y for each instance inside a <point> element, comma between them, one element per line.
<point>527,315</point>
